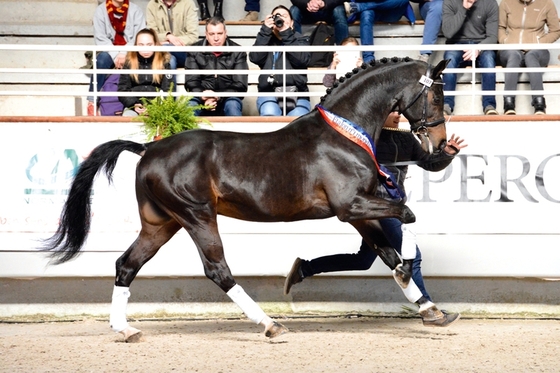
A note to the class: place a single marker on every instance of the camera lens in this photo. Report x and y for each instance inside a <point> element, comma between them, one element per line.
<point>278,21</point>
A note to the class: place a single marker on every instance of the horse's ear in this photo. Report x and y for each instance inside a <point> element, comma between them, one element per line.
<point>436,72</point>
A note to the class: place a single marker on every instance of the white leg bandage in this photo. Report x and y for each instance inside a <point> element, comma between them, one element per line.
<point>408,247</point>
<point>117,317</point>
<point>412,293</point>
<point>247,305</point>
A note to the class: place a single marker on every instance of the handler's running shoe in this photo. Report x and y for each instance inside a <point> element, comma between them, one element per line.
<point>434,317</point>
<point>295,276</point>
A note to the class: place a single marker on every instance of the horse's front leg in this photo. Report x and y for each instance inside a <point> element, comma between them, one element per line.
<point>209,244</point>
<point>363,206</point>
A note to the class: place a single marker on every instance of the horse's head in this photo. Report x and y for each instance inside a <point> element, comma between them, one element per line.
<point>423,107</point>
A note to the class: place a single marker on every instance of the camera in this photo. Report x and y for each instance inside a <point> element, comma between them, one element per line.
<point>278,20</point>
<point>270,80</point>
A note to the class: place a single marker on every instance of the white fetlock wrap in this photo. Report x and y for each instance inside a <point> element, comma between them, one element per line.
<point>425,306</point>
<point>408,246</point>
<point>247,305</point>
<point>412,293</point>
<point>117,318</point>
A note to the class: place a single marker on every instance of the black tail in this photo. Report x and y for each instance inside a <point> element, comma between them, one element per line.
<point>75,218</point>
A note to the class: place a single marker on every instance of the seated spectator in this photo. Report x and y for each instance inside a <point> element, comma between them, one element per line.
<point>141,83</point>
<point>205,13</point>
<point>470,22</point>
<point>115,22</point>
<point>343,62</point>
<point>252,7</point>
<point>522,22</point>
<point>281,34</point>
<point>176,23</point>
<point>431,12</point>
<point>216,36</point>
<point>329,11</point>
<point>371,12</point>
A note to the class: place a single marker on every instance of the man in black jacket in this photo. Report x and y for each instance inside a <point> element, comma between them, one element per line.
<point>216,36</point>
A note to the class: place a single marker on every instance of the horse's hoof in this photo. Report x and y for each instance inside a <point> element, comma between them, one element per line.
<point>402,276</point>
<point>434,317</point>
<point>407,215</point>
<point>132,335</point>
<point>275,329</point>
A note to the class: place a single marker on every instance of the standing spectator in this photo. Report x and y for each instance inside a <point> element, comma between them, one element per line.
<point>329,11</point>
<point>176,23</point>
<point>216,36</point>
<point>141,83</point>
<point>252,7</point>
<point>371,12</point>
<point>394,145</point>
<point>431,12</point>
<point>277,31</point>
<point>205,13</point>
<point>115,22</point>
<point>522,22</point>
<point>470,22</point>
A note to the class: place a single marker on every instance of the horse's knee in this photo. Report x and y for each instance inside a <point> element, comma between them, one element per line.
<point>407,216</point>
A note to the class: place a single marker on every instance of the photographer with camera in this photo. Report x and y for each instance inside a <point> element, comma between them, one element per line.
<point>277,30</point>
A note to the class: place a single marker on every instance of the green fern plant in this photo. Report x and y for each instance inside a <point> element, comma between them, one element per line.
<point>167,116</point>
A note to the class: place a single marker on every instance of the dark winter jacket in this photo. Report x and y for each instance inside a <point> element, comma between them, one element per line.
<point>145,82</point>
<point>209,61</point>
<point>401,146</point>
<point>294,60</point>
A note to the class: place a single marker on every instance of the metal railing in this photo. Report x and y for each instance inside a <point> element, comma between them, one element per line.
<point>474,92</point>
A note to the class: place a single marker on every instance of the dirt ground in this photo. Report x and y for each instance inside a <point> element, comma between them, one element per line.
<point>363,344</point>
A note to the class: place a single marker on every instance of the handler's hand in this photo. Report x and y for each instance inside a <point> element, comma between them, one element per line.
<point>454,145</point>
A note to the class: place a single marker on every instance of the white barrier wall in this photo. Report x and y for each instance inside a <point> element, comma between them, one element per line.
<point>490,214</point>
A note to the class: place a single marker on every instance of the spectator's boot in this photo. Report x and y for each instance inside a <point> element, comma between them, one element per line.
<point>509,105</point>
<point>540,105</point>
<point>203,6</point>
<point>218,9</point>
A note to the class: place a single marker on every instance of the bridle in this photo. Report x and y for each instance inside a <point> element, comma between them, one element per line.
<point>421,127</point>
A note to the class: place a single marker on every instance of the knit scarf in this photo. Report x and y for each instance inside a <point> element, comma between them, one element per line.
<point>118,16</point>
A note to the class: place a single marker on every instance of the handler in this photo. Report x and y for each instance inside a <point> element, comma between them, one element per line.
<point>394,145</point>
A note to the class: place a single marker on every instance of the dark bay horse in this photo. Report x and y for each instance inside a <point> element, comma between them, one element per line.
<point>306,170</point>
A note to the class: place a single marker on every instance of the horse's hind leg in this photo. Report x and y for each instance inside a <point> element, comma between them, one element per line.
<point>149,241</point>
<point>207,239</point>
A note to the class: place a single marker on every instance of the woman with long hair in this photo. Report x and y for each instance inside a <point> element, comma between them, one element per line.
<point>144,60</point>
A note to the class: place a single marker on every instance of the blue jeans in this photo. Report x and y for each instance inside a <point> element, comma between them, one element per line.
<point>365,257</point>
<point>337,19</point>
<point>252,6</point>
<point>384,11</point>
<point>268,106</point>
<point>485,59</point>
<point>228,106</point>
<point>104,61</point>
<point>431,12</point>
<point>532,58</point>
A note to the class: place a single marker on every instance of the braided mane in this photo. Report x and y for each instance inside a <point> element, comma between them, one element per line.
<point>365,66</point>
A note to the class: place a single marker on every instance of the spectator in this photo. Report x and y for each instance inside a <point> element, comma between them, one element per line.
<point>115,22</point>
<point>176,23</point>
<point>343,62</point>
<point>329,11</point>
<point>252,7</point>
<point>141,83</point>
<point>522,22</point>
<point>281,33</point>
<point>393,145</point>
<point>431,12</point>
<point>470,22</point>
<point>205,13</point>
<point>371,12</point>
<point>216,36</point>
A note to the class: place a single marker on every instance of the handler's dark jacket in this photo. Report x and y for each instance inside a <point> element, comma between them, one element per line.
<point>401,146</point>
<point>294,60</point>
<point>211,61</point>
<point>145,82</point>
